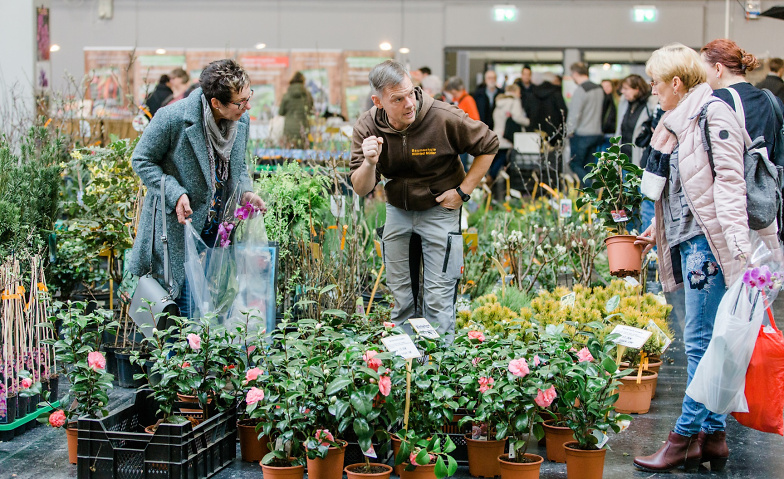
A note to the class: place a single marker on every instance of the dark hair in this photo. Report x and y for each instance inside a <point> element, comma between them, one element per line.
<point>298,77</point>
<point>426,71</point>
<point>729,54</point>
<point>181,74</point>
<point>454,84</point>
<point>638,83</point>
<point>580,68</point>
<point>775,64</point>
<point>164,79</point>
<point>527,67</point>
<point>221,78</point>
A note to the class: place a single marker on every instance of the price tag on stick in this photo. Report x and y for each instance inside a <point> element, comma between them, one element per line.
<point>423,328</point>
<point>401,345</point>
<point>630,337</point>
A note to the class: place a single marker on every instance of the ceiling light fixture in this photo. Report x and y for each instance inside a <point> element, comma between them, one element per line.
<point>54,48</point>
<point>386,46</point>
<point>160,51</point>
<point>261,46</point>
<point>404,50</point>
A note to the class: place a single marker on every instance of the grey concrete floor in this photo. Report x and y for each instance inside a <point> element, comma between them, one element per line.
<point>41,453</point>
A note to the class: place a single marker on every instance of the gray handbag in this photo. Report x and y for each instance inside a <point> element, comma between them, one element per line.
<point>149,289</point>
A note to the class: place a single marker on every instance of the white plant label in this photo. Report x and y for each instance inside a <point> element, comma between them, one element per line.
<point>515,194</point>
<point>566,208</point>
<point>603,440</point>
<point>401,345</point>
<point>567,300</point>
<point>661,334</point>
<point>370,452</point>
<point>423,328</point>
<point>337,206</point>
<point>631,281</point>
<point>631,337</point>
<point>661,299</point>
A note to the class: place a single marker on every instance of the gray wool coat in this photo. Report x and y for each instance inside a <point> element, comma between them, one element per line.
<point>174,143</point>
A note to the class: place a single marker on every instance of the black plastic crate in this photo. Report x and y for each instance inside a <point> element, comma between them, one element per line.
<point>116,447</point>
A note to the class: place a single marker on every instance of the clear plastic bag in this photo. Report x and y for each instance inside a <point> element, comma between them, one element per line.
<point>235,279</point>
<point>720,379</point>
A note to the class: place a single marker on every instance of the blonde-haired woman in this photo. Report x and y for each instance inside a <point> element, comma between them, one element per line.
<point>701,229</point>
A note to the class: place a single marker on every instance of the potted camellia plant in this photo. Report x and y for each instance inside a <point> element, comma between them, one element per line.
<point>615,195</point>
<point>253,444</point>
<point>77,352</point>
<point>591,389</point>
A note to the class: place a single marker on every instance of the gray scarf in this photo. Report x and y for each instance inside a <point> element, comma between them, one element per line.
<point>220,141</point>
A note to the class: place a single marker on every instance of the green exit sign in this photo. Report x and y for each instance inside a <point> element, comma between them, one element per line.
<point>505,13</point>
<point>645,14</point>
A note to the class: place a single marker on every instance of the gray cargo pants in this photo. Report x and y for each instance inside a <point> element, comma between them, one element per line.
<point>442,253</point>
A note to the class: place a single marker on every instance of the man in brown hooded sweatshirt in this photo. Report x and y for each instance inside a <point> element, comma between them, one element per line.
<point>414,142</point>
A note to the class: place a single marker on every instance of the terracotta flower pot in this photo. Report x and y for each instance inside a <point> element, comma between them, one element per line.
<point>635,398</point>
<point>352,473</point>
<point>520,470</point>
<point>331,467</point>
<point>252,448</point>
<point>556,437</point>
<point>290,472</point>
<point>71,434</point>
<point>653,365</point>
<point>419,472</point>
<point>483,456</point>
<point>624,256</point>
<point>395,449</point>
<point>582,464</point>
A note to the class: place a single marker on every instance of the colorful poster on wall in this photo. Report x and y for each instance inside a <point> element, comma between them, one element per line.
<point>150,66</point>
<point>108,79</point>
<point>323,77</point>
<point>42,34</point>
<point>269,78</point>
<point>356,67</point>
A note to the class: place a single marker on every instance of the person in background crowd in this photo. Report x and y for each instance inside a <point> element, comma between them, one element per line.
<point>508,118</point>
<point>557,80</point>
<point>635,108</point>
<point>528,97</point>
<point>295,107</point>
<point>701,229</point>
<point>584,122</point>
<point>161,92</point>
<point>433,86</point>
<point>178,83</point>
<point>485,96</point>
<point>420,74</point>
<point>413,141</point>
<point>170,88</point>
<point>726,66</point>
<point>455,89</point>
<point>552,108</point>
<point>773,81</point>
<point>200,144</point>
<point>609,113</point>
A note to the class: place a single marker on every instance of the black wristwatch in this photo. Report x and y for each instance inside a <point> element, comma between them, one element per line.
<point>464,196</point>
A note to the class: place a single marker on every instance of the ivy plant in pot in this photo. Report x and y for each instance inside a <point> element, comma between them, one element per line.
<point>77,352</point>
<point>615,195</point>
<point>591,389</point>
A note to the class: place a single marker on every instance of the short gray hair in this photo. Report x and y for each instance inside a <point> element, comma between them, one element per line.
<point>387,74</point>
<point>454,84</point>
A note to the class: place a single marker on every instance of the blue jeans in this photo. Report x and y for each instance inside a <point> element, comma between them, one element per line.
<point>183,301</point>
<point>498,164</point>
<point>704,288</point>
<point>583,147</point>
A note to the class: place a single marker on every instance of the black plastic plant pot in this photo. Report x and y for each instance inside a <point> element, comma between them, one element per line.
<point>10,411</point>
<point>126,371</point>
<point>54,386</point>
<point>111,360</point>
<point>32,406</point>
<point>154,378</point>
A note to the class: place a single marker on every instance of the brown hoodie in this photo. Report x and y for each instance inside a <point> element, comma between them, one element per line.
<point>422,162</point>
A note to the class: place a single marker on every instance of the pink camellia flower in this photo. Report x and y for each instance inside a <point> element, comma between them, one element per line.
<point>546,397</point>
<point>372,362</point>
<point>485,384</point>
<point>584,355</point>
<point>324,436</point>
<point>252,374</point>
<point>96,360</point>
<point>186,364</point>
<point>476,335</point>
<point>389,325</point>
<point>254,395</point>
<point>57,418</point>
<point>384,385</point>
<point>476,360</point>
<point>26,383</point>
<point>412,458</point>
<point>519,367</point>
<point>537,361</point>
<point>194,341</point>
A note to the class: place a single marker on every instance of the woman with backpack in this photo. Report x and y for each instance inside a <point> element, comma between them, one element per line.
<point>700,229</point>
<point>727,64</point>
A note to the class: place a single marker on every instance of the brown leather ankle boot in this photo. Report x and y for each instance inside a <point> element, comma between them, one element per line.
<point>715,450</point>
<point>676,451</point>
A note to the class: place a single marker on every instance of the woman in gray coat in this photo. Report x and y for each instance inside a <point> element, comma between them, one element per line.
<point>200,144</point>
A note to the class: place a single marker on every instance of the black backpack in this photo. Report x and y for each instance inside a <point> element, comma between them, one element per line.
<point>763,178</point>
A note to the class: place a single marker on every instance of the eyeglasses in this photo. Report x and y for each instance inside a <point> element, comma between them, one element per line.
<point>244,103</point>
